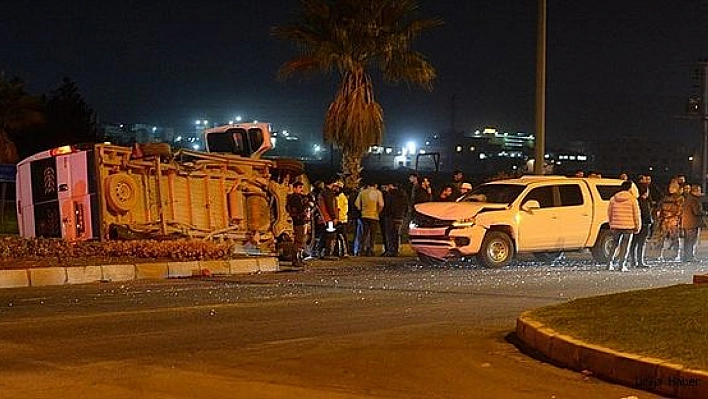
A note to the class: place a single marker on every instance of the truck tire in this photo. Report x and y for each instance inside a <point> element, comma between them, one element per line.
<point>603,245</point>
<point>121,192</point>
<point>497,250</point>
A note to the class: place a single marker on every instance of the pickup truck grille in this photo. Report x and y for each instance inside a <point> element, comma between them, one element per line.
<point>422,220</point>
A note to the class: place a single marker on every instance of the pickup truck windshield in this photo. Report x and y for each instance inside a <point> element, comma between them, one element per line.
<point>494,193</point>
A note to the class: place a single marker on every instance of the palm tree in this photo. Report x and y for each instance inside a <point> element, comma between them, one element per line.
<point>351,38</point>
<point>18,110</point>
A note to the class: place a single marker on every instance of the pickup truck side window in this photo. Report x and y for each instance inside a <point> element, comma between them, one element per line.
<point>544,196</point>
<point>570,195</point>
<point>607,191</point>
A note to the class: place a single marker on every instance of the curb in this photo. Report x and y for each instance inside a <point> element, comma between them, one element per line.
<point>63,275</point>
<point>648,374</point>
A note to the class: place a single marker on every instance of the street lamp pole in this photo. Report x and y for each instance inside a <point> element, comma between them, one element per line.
<point>541,90</point>
<point>704,117</point>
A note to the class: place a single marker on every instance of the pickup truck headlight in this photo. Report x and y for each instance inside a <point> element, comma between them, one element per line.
<point>462,223</point>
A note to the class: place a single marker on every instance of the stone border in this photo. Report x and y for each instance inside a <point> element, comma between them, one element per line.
<point>61,275</point>
<point>631,370</point>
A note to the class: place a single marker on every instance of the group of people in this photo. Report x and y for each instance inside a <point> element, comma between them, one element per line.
<point>672,220</point>
<point>422,191</point>
<point>330,213</point>
<point>325,218</point>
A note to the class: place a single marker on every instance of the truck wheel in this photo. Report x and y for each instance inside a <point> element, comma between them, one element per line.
<point>121,192</point>
<point>601,250</point>
<point>497,250</point>
<point>549,256</point>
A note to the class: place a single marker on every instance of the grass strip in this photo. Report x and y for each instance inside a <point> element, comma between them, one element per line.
<point>669,323</point>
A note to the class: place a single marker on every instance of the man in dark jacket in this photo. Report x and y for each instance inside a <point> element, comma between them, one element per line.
<point>691,220</point>
<point>298,206</point>
<point>396,207</point>
<point>329,217</point>
<point>636,251</point>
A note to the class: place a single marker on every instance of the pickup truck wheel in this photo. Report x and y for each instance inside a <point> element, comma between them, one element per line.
<point>603,246</point>
<point>548,256</point>
<point>497,250</point>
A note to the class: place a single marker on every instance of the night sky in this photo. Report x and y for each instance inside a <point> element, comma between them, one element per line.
<point>614,67</point>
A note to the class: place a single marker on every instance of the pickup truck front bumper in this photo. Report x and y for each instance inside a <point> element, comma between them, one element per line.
<point>446,242</point>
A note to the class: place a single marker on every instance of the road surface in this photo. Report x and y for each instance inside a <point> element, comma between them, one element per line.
<point>360,328</point>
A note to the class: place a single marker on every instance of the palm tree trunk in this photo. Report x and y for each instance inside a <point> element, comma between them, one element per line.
<point>351,167</point>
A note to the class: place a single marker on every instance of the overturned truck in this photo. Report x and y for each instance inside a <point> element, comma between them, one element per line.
<point>105,191</point>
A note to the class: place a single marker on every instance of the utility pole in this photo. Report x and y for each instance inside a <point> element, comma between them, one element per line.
<point>704,119</point>
<point>540,153</point>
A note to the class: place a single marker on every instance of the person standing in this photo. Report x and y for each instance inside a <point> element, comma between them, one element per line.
<point>639,240</point>
<point>669,225</point>
<point>625,220</point>
<point>458,177</point>
<point>447,194</point>
<point>397,202</point>
<point>420,189</point>
<point>354,217</point>
<point>464,189</point>
<point>327,204</point>
<point>691,216</point>
<point>383,218</point>
<point>370,202</point>
<point>298,207</point>
<point>343,225</point>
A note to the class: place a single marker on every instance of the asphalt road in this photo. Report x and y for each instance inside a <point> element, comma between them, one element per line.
<point>361,328</point>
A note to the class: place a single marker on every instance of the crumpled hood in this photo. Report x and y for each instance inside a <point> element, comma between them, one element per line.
<point>623,196</point>
<point>454,210</point>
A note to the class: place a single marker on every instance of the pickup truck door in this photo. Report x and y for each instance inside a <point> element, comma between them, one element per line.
<point>575,214</point>
<point>537,228</point>
<point>562,222</point>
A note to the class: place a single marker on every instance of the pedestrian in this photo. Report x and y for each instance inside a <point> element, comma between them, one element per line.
<point>327,204</point>
<point>355,222</point>
<point>427,189</point>
<point>383,217</point>
<point>342,238</point>
<point>625,220</point>
<point>639,240</point>
<point>298,207</point>
<point>447,194</point>
<point>458,177</point>
<point>397,202</point>
<point>669,224</point>
<point>691,220</point>
<point>464,189</point>
<point>370,202</point>
<point>420,189</point>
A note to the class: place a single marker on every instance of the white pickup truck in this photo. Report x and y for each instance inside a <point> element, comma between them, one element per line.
<point>543,215</point>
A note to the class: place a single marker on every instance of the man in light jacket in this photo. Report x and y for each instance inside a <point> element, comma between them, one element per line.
<point>625,220</point>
